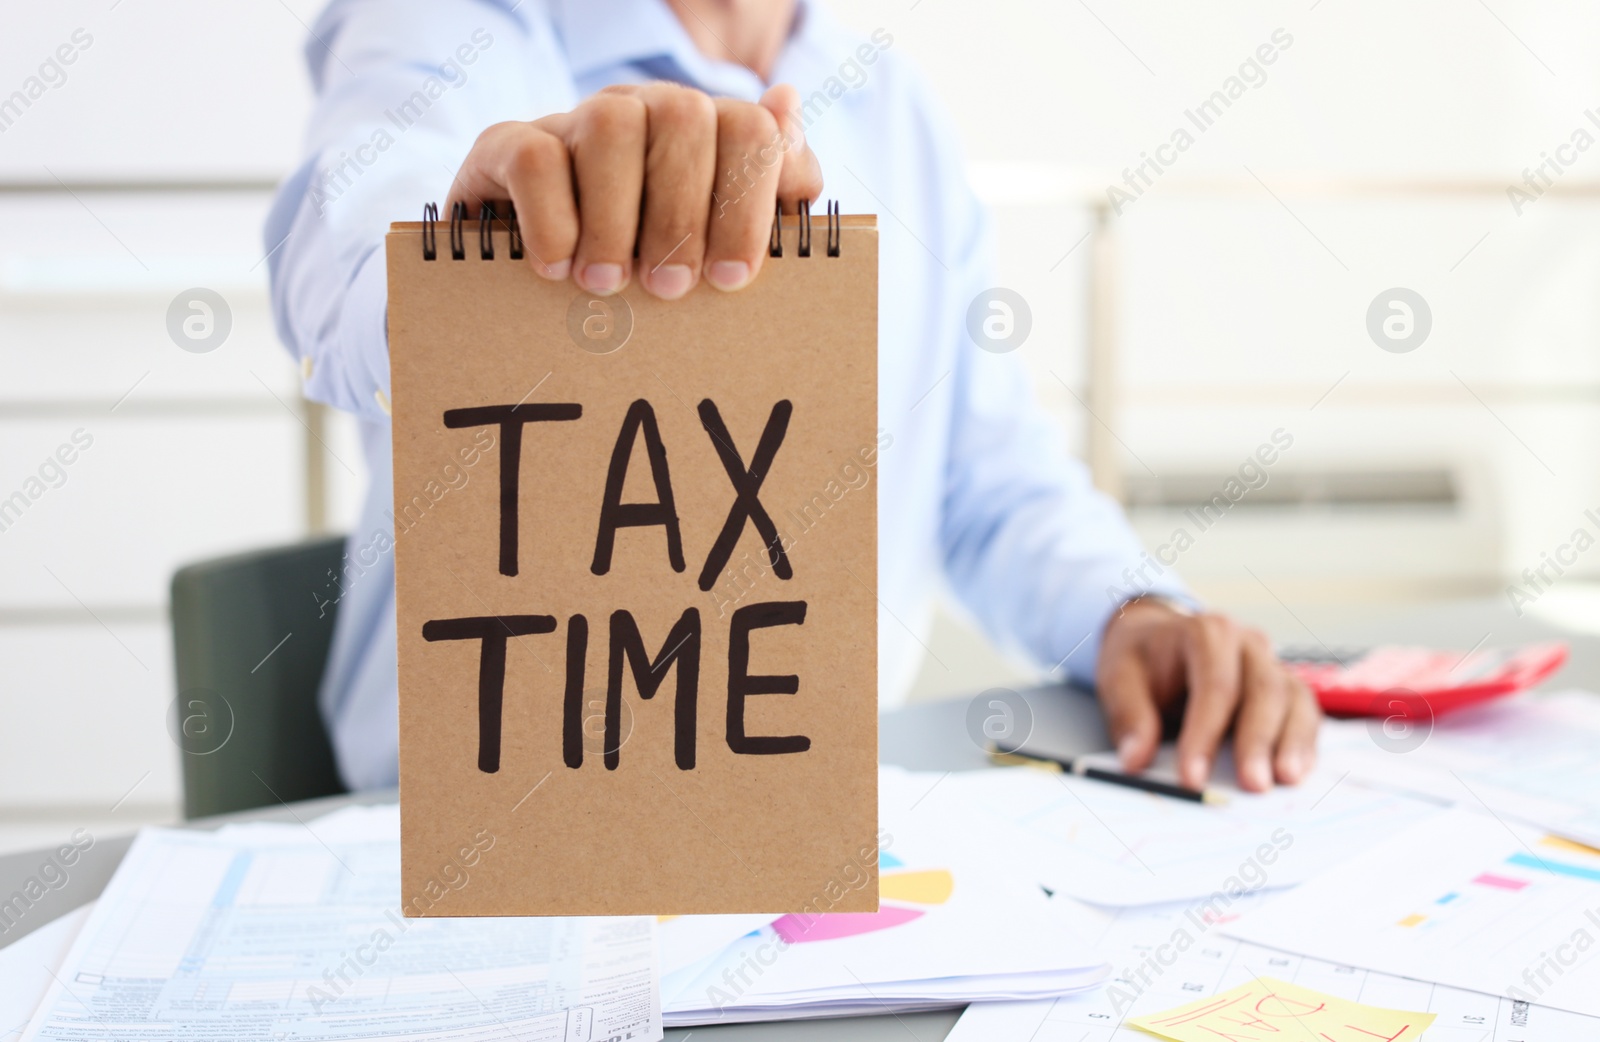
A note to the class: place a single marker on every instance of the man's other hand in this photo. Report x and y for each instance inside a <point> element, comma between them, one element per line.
<point>640,162</point>
<point>1157,662</point>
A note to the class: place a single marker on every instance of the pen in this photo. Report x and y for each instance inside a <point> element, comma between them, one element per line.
<point>1084,769</point>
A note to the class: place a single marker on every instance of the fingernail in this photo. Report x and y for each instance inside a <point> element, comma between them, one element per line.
<point>602,278</point>
<point>557,271</point>
<point>1196,768</point>
<point>1292,766</point>
<point>728,275</point>
<point>1126,748</point>
<point>1256,774</point>
<point>671,281</point>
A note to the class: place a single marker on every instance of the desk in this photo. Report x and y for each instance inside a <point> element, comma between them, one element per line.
<point>931,736</point>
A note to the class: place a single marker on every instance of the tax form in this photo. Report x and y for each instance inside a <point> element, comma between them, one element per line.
<point>283,933</point>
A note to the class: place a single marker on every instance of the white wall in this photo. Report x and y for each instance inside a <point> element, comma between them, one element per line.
<point>1244,277</point>
<point>1376,153</point>
<point>190,455</point>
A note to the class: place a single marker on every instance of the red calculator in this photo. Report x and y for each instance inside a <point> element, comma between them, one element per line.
<point>1426,681</point>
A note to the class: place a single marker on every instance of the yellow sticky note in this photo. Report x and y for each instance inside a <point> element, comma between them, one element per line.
<point>1268,1010</point>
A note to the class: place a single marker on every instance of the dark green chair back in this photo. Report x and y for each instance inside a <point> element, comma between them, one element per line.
<point>251,636</point>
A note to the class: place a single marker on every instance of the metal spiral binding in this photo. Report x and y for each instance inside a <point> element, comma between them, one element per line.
<point>486,231</point>
<point>805,228</point>
<point>835,229</point>
<point>490,213</point>
<point>430,235</point>
<point>458,237</point>
<point>515,231</point>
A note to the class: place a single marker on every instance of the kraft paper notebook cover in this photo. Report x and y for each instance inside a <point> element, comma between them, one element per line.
<point>636,571</point>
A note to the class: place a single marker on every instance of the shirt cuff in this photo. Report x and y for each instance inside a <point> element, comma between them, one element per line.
<point>357,380</point>
<point>1082,625</point>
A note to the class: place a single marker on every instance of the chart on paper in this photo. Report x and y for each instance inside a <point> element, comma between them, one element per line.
<point>1171,954</point>
<point>1480,903</point>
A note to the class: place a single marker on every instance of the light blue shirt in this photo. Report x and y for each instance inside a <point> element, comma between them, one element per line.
<point>975,490</point>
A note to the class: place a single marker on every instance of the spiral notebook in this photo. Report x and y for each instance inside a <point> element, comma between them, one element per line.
<point>635,552</point>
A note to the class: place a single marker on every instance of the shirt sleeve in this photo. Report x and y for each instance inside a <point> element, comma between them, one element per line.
<point>1038,554</point>
<point>403,88</point>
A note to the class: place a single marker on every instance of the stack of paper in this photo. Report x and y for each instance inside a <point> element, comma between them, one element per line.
<point>1169,954</point>
<point>266,932</point>
<point>957,924</point>
<point>270,931</point>
<point>1483,918</point>
<point>1531,758</point>
<point>1117,846</point>
<point>1467,900</point>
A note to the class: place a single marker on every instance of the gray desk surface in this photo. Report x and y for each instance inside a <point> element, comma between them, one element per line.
<point>930,736</point>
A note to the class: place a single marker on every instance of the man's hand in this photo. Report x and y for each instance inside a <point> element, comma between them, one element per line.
<point>1156,662</point>
<point>578,180</point>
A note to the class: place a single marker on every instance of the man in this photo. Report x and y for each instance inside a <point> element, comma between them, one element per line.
<point>578,111</point>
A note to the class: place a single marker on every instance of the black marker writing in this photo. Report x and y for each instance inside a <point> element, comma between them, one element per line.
<point>741,684</point>
<point>492,630</point>
<point>510,418</point>
<point>681,646</point>
<point>746,485</point>
<point>614,513</point>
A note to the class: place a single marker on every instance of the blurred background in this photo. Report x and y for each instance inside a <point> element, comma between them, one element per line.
<point>1186,306</point>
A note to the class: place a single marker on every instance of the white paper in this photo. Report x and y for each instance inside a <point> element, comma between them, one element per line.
<point>956,923</point>
<point>1168,955</point>
<point>1467,900</point>
<point>1117,846</point>
<point>690,939</point>
<point>26,966</point>
<point>1531,757</point>
<point>272,932</point>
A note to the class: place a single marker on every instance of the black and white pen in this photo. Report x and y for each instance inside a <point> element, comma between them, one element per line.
<point>1081,767</point>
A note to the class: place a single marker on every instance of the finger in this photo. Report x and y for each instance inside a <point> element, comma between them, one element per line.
<point>801,174</point>
<point>1297,747</point>
<point>1262,713</point>
<point>528,165</point>
<point>1130,707</point>
<point>679,167</point>
<point>606,136</point>
<point>1211,662</point>
<point>749,161</point>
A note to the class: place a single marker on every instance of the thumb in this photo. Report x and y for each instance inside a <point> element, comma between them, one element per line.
<point>800,177</point>
<point>1131,715</point>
